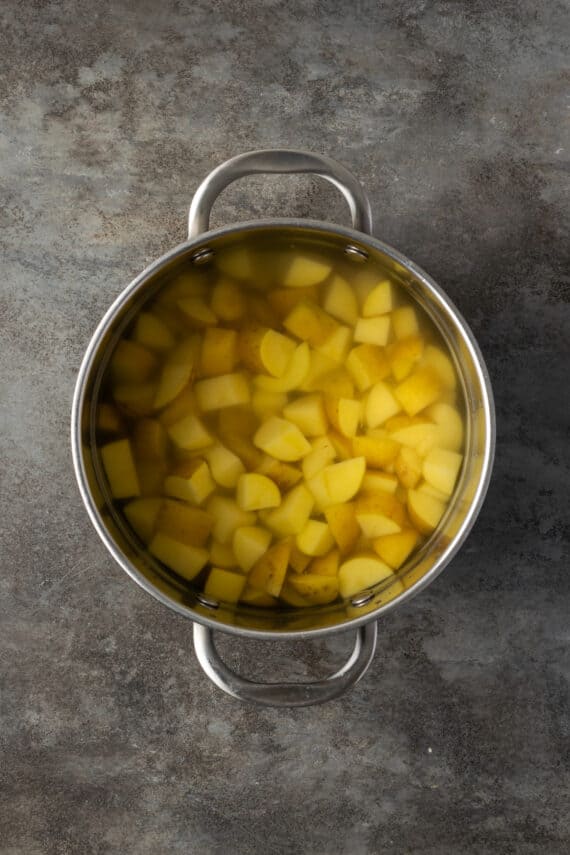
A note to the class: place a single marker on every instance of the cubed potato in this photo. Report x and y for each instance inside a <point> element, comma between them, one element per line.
<point>222,555</point>
<point>292,515</point>
<point>236,262</point>
<point>240,445</point>
<point>184,523</point>
<point>308,413</point>
<point>225,466</point>
<point>315,538</point>
<point>372,330</point>
<point>188,283</point>
<point>337,384</point>
<point>228,516</point>
<point>340,301</point>
<point>337,345</point>
<point>142,515</point>
<point>265,350</point>
<point>150,441</point>
<point>367,364</point>
<point>418,391</point>
<point>109,419</point>
<point>345,414</point>
<point>440,362</point>
<point>181,406</point>
<point>360,572</point>
<point>249,544</point>
<point>425,511</point>
<point>282,300</point>
<point>363,282</point>
<point>281,439</point>
<point>267,404</point>
<point>253,597</point>
<point>289,595</point>
<point>450,425</point>
<point>310,323</point>
<point>285,475</point>
<point>268,572</point>
<point>382,481</point>
<point>294,376</point>
<point>379,301</point>
<point>405,322</point>
<point>315,588</point>
<point>320,368</point>
<point>120,469</point>
<point>298,561</point>
<point>224,586</point>
<point>135,399</point>
<point>152,332</point>
<point>394,549</point>
<point>322,453</point>
<point>342,445</point>
<point>382,503</point>
<point>219,351</point>
<point>426,487</point>
<point>408,466</point>
<point>343,525</point>
<point>403,355</point>
<point>306,270</point>
<point>197,313</point>
<point>421,436</point>
<point>380,405</point>
<point>325,565</point>
<point>255,492</point>
<point>177,371</point>
<point>132,363</point>
<point>338,482</point>
<point>190,434</point>
<point>228,301</point>
<point>375,524</point>
<point>185,560</point>
<point>191,481</point>
<point>226,390</point>
<point>440,469</point>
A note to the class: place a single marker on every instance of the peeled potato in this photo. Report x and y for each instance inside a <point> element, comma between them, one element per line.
<point>281,439</point>
<point>340,301</point>
<point>120,469</point>
<point>440,469</point>
<point>362,571</point>
<point>255,492</point>
<point>304,270</point>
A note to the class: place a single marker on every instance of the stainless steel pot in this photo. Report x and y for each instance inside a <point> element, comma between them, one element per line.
<point>361,612</point>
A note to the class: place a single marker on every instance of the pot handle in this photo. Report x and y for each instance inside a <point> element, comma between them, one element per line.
<point>278,161</point>
<point>286,694</point>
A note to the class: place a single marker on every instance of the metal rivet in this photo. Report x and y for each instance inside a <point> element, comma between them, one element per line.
<point>356,252</point>
<point>362,599</point>
<point>202,256</point>
<point>210,604</point>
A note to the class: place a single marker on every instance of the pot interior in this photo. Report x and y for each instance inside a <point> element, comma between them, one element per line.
<point>353,256</point>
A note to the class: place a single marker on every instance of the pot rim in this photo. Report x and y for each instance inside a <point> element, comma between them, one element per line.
<point>355,237</point>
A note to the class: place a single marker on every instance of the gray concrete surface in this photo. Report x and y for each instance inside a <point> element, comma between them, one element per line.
<point>455,117</point>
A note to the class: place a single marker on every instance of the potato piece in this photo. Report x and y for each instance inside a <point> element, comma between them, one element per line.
<point>367,364</point>
<point>152,332</point>
<point>290,596</point>
<point>292,515</point>
<point>325,565</point>
<point>363,571</point>
<point>228,516</point>
<point>418,391</point>
<point>185,560</point>
<point>316,589</point>
<point>177,371</point>
<point>345,415</point>
<point>425,510</point>
<point>119,465</point>
<point>224,586</point>
<point>404,354</point>
<point>225,466</point>
<point>379,301</point>
<point>372,330</point>
<point>337,345</point>
<point>150,441</point>
<point>294,376</point>
<point>190,434</point>
<point>308,413</point>
<point>132,363</point>
<point>253,597</point>
<point>191,482</point>
<point>240,446</point>
<point>440,469</point>
<point>394,549</point>
<point>260,312</point>
<point>380,405</point>
<point>343,525</point>
<point>255,492</point>
<point>109,419</point>
<point>189,283</point>
<point>249,544</point>
<point>281,439</point>
<point>226,390</point>
<point>322,453</point>
<point>319,369</point>
<point>222,555</point>
<point>450,426</point>
<point>283,474</point>
<point>408,467</point>
<point>342,445</point>
<point>268,572</point>
<point>282,300</point>
<point>374,481</point>
<point>142,515</point>
<point>310,323</point>
<point>182,405</point>
<point>304,270</point>
<point>135,400</point>
<point>228,301</point>
<point>405,322</point>
<point>315,538</point>
<point>298,561</point>
<point>421,436</point>
<point>267,404</point>
<point>219,351</point>
<point>425,487</point>
<point>441,364</point>
<point>197,313</point>
<point>386,504</point>
<point>184,523</point>
<point>337,384</point>
<point>264,350</point>
<point>236,262</point>
<point>338,482</point>
<point>340,301</point>
<point>375,524</point>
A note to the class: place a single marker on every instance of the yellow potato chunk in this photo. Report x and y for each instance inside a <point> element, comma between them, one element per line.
<point>283,474</point>
<point>310,323</point>
<point>249,544</point>
<point>120,469</point>
<point>228,302</point>
<point>132,363</point>
<point>380,405</point>
<point>418,391</point>
<point>304,270</point>
<point>382,503</point>
<point>226,390</point>
<point>152,332</point>
<point>184,523</point>
<point>298,561</point>
<point>425,487</point>
<point>338,482</point>
<point>282,300</point>
<point>255,492</point>
<point>322,453</point>
<point>379,301</point>
<point>142,515</point>
<point>404,354</point>
<point>253,597</point>
<point>450,425</point>
<point>281,439</point>
<point>421,436</point>
<point>372,330</point>
<point>394,549</point>
<point>315,538</point>
<point>337,345</point>
<point>337,384</point>
<point>182,405</point>
<point>308,413</point>
<point>440,469</point>
<point>185,560</point>
<point>360,572</point>
<point>219,351</point>
<point>340,301</point>
<point>367,364</point>
<point>197,312</point>
<point>315,588</point>
<point>382,481</point>
<point>294,376</point>
<point>222,555</point>
<point>408,466</point>
<point>228,516</point>
<point>236,262</point>
<point>425,511</point>
<point>374,523</point>
<point>289,595</point>
<point>325,565</point>
<point>266,403</point>
<point>225,466</point>
<point>345,415</point>
<point>319,370</point>
<point>190,434</point>
<point>441,363</point>
<point>405,322</point>
<point>266,350</point>
<point>268,572</point>
<point>224,586</point>
<point>292,515</point>
<point>177,371</point>
<point>191,482</point>
<point>343,525</point>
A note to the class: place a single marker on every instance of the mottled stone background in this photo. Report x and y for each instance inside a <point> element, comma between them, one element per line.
<point>454,114</point>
